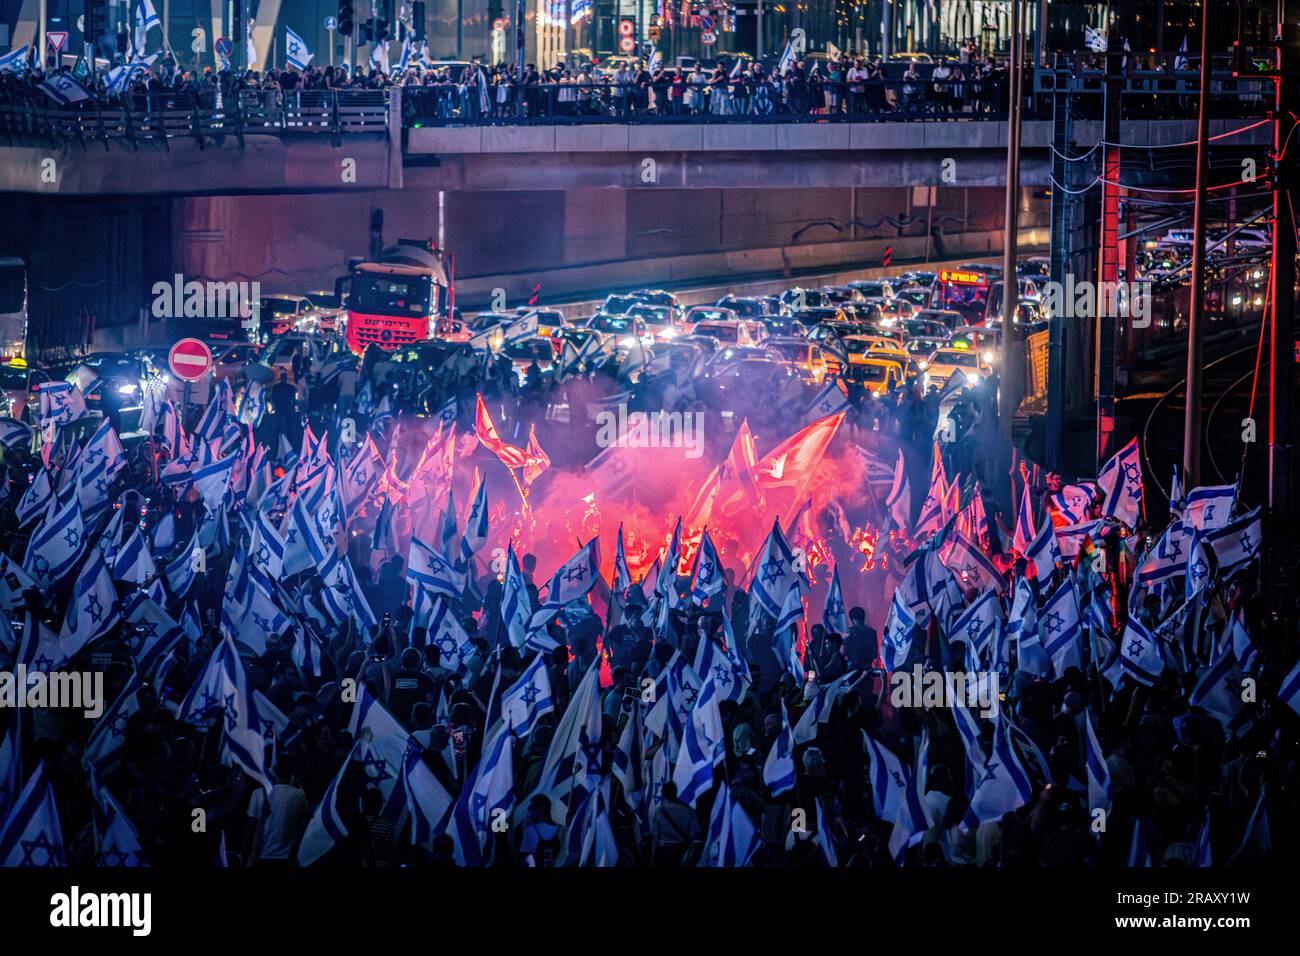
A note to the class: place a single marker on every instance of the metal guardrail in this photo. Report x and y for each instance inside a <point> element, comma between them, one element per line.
<point>1147,95</point>
<point>159,117</point>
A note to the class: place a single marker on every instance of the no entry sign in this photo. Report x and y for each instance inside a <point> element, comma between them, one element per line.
<point>190,360</point>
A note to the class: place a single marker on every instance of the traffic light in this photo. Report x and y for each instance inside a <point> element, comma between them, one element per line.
<point>417,19</point>
<point>345,18</point>
<point>123,40</point>
<point>94,20</point>
<point>367,32</point>
<point>381,31</point>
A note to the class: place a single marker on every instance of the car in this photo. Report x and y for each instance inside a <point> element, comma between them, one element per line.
<point>772,304</point>
<point>947,362</point>
<point>707,344</point>
<point>491,326</point>
<point>677,352</point>
<point>921,347</point>
<point>916,295</point>
<point>655,297</point>
<point>620,327</point>
<point>548,320</point>
<point>731,331</point>
<point>281,313</point>
<point>750,377</point>
<point>19,388</point>
<point>812,364</point>
<point>798,298</point>
<point>924,328</point>
<point>781,325</point>
<point>894,311</point>
<point>984,341</point>
<point>745,308</point>
<point>709,313</point>
<point>919,277</point>
<point>818,315</point>
<point>877,375</point>
<point>874,288</point>
<point>230,361</point>
<point>523,353</point>
<point>659,320</point>
<point>861,347</point>
<point>619,304</point>
<point>951,318</point>
<point>113,383</point>
<point>842,293</point>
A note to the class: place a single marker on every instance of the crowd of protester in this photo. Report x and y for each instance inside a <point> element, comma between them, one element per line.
<point>1171,765</point>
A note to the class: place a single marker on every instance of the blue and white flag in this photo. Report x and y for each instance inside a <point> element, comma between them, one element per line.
<point>489,791</point>
<point>1097,772</point>
<point>430,570</point>
<point>444,631</point>
<point>834,617</point>
<point>572,582</point>
<point>656,61</point>
<point>212,481</point>
<point>1209,506</point>
<point>574,747</point>
<point>35,499</point>
<point>15,61</point>
<point>731,839</point>
<point>295,50</point>
<point>774,575</point>
<point>516,605</point>
<point>723,665</point>
<point>900,625</point>
<point>222,688</point>
<point>1168,559</point>
<point>778,769</point>
<point>1200,571</point>
<point>61,402</point>
<point>56,544</point>
<point>978,625</point>
<point>970,565</point>
<point>1060,626</point>
<point>787,60</point>
<point>1073,502</point>
<point>1138,854</point>
<point>1121,480</point>
<point>146,19</point>
<point>133,563</point>
<point>119,79</point>
<point>888,779</point>
<point>103,748</point>
<point>528,698</point>
<point>1180,61</point>
<point>1001,785</point>
<point>116,841</point>
<point>1219,690</point>
<point>31,835</point>
<point>1237,543</point>
<point>704,746</point>
<point>1139,654</point>
<point>1289,692</point>
<point>707,579</point>
<point>65,91</point>
<point>342,595</point>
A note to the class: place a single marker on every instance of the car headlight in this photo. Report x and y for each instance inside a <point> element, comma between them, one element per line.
<point>988,357</point>
<point>628,341</point>
<point>128,389</point>
<point>974,378</point>
<point>923,366</point>
<point>668,333</point>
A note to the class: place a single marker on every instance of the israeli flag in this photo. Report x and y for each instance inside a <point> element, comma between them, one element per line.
<point>379,56</point>
<point>1060,625</point>
<point>56,544</point>
<point>295,50</point>
<point>1210,506</point>
<point>573,580</point>
<point>1001,784</point>
<point>1139,655</point>
<point>656,61</point>
<point>223,687</point>
<point>731,839</point>
<point>15,61</point>
<point>516,606</point>
<point>342,594</point>
<point>442,629</point>
<point>103,748</point>
<point>778,769</point>
<point>704,746</point>
<point>35,499</point>
<point>896,642</point>
<point>1180,61</point>
<point>528,698</point>
<point>834,617</point>
<point>490,788</point>
<point>429,569</point>
<point>1200,572</point>
<point>1237,543</point>
<point>708,571</point>
<point>146,18</point>
<point>774,576</point>
<point>31,835</point>
<point>1044,552</point>
<point>888,780</point>
<point>119,78</point>
<point>1289,692</point>
<point>723,665</point>
<point>1121,480</point>
<point>1098,774</point>
<point>787,59</point>
<point>116,841</point>
<point>1095,41</point>
<point>1167,559</point>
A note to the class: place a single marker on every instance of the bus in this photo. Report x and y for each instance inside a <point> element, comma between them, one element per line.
<point>405,295</point>
<point>13,308</point>
<point>965,291</point>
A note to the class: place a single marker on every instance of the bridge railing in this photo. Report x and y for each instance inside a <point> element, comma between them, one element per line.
<point>144,117</point>
<point>1147,95</point>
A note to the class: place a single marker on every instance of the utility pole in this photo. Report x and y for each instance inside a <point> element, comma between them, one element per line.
<point>1192,437</point>
<point>1011,374</point>
<point>1281,393</point>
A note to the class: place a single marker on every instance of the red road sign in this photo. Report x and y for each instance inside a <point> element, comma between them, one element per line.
<point>626,28</point>
<point>57,39</point>
<point>190,360</point>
